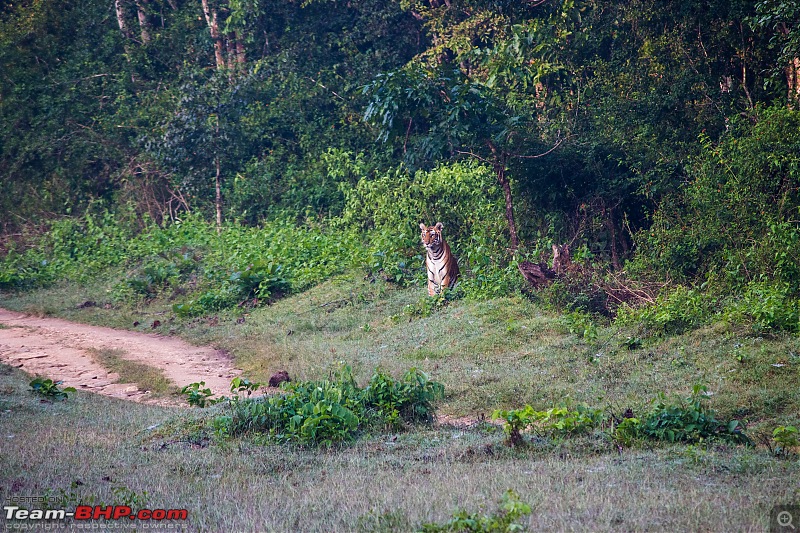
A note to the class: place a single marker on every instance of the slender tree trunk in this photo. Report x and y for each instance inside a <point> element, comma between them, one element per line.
<point>512,225</point>
<point>793,81</point>
<point>212,19</point>
<point>500,169</point>
<point>230,45</point>
<point>218,181</point>
<point>240,49</point>
<point>792,74</point>
<point>218,198</point>
<point>144,23</point>
<point>121,20</point>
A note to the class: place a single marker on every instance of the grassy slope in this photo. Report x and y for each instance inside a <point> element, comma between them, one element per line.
<point>503,352</point>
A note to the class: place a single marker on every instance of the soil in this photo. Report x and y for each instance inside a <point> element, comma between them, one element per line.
<point>57,349</point>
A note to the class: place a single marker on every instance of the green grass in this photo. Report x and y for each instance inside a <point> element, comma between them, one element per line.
<point>501,353</point>
<point>144,376</point>
<point>163,457</point>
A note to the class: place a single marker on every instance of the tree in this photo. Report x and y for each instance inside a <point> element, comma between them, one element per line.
<point>495,102</point>
<point>782,19</point>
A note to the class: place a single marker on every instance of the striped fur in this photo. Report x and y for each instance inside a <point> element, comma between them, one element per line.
<point>442,265</point>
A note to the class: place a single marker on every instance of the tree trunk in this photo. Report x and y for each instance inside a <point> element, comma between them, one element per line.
<point>240,49</point>
<point>144,23</point>
<point>121,20</point>
<point>213,25</point>
<point>230,45</point>
<point>506,184</point>
<point>218,198</point>
<point>500,169</point>
<point>793,81</point>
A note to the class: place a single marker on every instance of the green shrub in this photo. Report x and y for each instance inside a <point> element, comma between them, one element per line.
<point>674,312</point>
<point>504,520</point>
<point>464,196</point>
<point>732,229</point>
<point>557,421</point>
<point>336,410</point>
<point>687,420</point>
<point>785,440</point>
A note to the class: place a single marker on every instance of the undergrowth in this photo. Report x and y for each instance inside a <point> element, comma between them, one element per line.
<point>329,411</point>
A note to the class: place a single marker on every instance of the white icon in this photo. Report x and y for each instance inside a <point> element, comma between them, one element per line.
<point>785,519</point>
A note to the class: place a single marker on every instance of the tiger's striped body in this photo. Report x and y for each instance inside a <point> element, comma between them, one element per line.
<point>442,265</point>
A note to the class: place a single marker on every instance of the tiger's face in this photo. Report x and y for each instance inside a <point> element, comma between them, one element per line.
<point>431,235</point>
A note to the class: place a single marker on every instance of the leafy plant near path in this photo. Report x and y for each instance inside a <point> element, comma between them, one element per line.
<point>334,410</point>
<point>49,389</point>
<point>687,420</point>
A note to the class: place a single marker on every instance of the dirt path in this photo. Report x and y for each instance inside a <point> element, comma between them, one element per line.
<point>56,349</point>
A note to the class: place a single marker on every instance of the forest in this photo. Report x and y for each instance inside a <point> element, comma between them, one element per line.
<point>658,140</point>
<point>656,137</point>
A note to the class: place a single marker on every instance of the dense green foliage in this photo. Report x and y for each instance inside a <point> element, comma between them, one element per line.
<point>318,134</point>
<point>336,409</point>
<point>683,420</point>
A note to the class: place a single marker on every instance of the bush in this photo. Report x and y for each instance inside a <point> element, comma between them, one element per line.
<point>557,421</point>
<point>687,420</point>
<point>674,312</point>
<point>464,196</point>
<point>733,228</point>
<point>335,410</point>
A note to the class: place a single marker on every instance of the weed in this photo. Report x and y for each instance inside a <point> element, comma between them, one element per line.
<point>683,420</point>
<point>334,410</point>
<point>503,520</point>
<point>786,440</point>
<point>49,389</point>
<point>197,396</point>
<point>558,421</point>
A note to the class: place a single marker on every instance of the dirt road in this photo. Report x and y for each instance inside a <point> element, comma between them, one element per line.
<point>57,349</point>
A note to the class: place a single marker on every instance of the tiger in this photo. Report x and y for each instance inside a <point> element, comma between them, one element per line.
<point>442,265</point>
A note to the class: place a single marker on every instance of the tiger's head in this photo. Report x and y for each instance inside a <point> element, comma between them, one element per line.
<point>431,235</point>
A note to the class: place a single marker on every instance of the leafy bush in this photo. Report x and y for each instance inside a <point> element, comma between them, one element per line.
<point>674,312</point>
<point>198,395</point>
<point>687,420</point>
<point>785,439</point>
<point>50,389</point>
<point>733,228</point>
<point>335,410</point>
<point>464,196</point>
<point>558,421</point>
<point>504,520</point>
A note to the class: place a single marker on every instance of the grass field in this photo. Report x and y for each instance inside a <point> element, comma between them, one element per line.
<point>500,353</point>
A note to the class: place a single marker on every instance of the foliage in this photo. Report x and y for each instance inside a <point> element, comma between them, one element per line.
<point>50,389</point>
<point>674,311</point>
<point>335,410</point>
<point>557,421</point>
<point>197,395</point>
<point>687,420</point>
<point>504,520</point>
<point>464,196</point>
<point>785,439</point>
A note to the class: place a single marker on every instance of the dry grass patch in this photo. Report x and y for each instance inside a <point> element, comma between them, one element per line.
<point>145,377</point>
